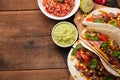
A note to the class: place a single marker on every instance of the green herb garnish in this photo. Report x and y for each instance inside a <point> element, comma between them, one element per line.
<point>93,63</point>
<point>95,38</point>
<point>105,45</point>
<point>113,23</point>
<point>107,78</point>
<point>88,35</point>
<point>117,54</point>
<point>79,46</point>
<point>74,51</point>
<point>60,0</point>
<point>98,21</point>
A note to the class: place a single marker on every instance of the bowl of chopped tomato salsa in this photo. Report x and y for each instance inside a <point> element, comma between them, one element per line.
<point>59,9</point>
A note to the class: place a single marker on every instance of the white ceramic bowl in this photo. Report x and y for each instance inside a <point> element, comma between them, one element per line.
<point>64,22</point>
<point>42,8</point>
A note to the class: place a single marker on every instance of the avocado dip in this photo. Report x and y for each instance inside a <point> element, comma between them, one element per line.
<point>64,34</point>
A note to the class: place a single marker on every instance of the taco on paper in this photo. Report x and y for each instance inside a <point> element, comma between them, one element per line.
<point>104,16</point>
<point>85,65</point>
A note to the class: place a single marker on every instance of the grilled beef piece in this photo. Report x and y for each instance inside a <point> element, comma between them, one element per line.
<point>99,16</point>
<point>94,77</point>
<point>91,56</point>
<point>118,23</point>
<point>106,18</point>
<point>113,15</point>
<point>116,46</point>
<point>88,74</point>
<point>79,57</point>
<point>114,61</point>
<point>95,43</point>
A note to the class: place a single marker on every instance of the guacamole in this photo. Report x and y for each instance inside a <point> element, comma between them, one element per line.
<point>64,34</point>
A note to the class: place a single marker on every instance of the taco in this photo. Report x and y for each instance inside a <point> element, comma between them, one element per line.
<point>85,65</point>
<point>106,42</point>
<point>102,17</point>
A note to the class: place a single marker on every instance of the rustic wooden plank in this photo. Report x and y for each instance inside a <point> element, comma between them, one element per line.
<point>18,4</point>
<point>22,34</point>
<point>25,23</point>
<point>71,78</point>
<point>20,53</point>
<point>55,74</point>
<point>118,2</point>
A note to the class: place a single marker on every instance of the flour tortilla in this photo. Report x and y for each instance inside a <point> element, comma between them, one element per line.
<point>102,25</point>
<point>113,35</point>
<point>71,63</point>
<point>71,66</point>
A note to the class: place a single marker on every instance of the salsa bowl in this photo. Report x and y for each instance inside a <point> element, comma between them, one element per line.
<point>58,12</point>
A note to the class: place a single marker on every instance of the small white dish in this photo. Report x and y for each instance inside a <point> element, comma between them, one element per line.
<point>71,30</point>
<point>42,8</point>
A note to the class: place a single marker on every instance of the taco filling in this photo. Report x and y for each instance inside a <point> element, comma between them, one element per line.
<point>90,65</point>
<point>107,46</point>
<point>105,17</point>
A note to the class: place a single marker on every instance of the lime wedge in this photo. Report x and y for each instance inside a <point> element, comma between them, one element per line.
<point>86,5</point>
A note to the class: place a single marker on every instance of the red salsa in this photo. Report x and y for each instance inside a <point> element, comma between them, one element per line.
<point>57,8</point>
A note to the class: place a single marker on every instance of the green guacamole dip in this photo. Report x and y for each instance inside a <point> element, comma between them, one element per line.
<point>64,34</point>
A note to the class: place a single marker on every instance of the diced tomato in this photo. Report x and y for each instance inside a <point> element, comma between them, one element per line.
<point>103,37</point>
<point>84,56</point>
<point>44,2</point>
<point>90,19</point>
<point>58,9</point>
<point>63,8</point>
<point>49,10</point>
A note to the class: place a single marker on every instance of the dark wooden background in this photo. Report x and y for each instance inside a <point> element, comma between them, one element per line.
<point>27,51</point>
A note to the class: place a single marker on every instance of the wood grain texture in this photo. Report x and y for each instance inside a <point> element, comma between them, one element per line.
<point>53,74</point>
<point>25,23</point>
<point>25,42</point>
<point>118,2</point>
<point>7,5</point>
<point>20,53</point>
<point>71,78</point>
<point>27,51</point>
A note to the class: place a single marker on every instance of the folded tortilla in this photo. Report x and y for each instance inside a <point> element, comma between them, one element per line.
<point>76,74</point>
<point>71,66</point>
<point>111,34</point>
<point>102,25</point>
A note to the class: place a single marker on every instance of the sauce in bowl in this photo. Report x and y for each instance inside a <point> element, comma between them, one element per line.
<point>64,34</point>
<point>58,8</point>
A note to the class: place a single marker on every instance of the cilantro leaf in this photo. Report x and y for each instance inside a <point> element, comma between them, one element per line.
<point>117,54</point>
<point>93,63</point>
<point>105,45</point>
<point>98,21</point>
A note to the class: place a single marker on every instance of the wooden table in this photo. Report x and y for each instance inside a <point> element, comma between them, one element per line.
<point>27,51</point>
